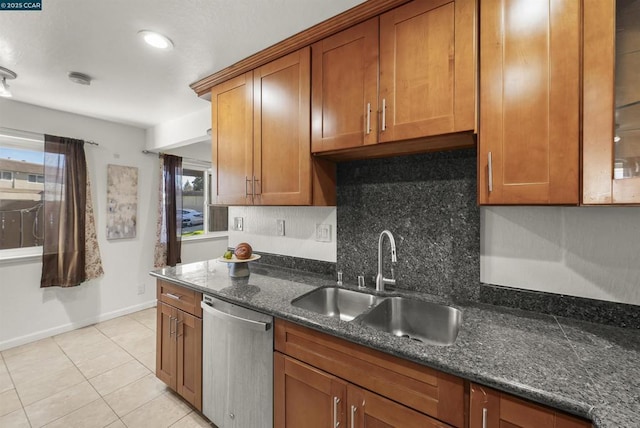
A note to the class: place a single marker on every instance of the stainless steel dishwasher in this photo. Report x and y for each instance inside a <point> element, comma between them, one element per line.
<point>237,365</point>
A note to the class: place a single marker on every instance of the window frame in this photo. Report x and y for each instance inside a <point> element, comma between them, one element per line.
<point>26,141</point>
<point>207,171</point>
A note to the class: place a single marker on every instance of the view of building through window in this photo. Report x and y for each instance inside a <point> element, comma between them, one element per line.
<point>21,190</point>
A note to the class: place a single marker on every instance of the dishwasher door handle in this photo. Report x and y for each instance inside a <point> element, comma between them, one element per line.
<point>251,324</point>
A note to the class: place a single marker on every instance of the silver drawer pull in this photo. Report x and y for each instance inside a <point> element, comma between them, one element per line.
<point>354,409</point>
<point>368,124</point>
<point>490,167</point>
<point>173,296</point>
<point>484,418</point>
<point>336,401</point>
<point>384,114</point>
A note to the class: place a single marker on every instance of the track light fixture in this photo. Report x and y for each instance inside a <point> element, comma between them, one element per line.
<point>5,73</point>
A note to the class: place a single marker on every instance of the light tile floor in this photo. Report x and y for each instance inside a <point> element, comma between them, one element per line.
<point>97,376</point>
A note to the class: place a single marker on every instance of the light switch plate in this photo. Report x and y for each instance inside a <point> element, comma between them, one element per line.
<point>238,224</point>
<point>280,227</point>
<point>323,232</point>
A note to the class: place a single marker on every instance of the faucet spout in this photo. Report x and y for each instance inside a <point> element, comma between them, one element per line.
<point>380,279</point>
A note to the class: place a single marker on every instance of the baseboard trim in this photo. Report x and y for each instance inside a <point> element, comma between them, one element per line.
<point>43,334</point>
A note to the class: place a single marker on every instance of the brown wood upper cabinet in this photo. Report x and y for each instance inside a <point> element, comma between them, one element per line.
<point>611,102</point>
<point>260,137</point>
<point>529,138</point>
<point>494,409</point>
<point>408,74</point>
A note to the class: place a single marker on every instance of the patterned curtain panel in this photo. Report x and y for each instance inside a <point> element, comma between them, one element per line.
<point>67,212</point>
<point>160,253</point>
<point>93,261</point>
<point>169,227</point>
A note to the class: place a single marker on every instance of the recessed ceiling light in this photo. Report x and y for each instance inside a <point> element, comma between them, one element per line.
<point>5,73</point>
<point>79,78</point>
<point>156,40</point>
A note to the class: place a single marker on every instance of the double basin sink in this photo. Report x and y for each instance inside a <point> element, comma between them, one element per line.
<point>418,320</point>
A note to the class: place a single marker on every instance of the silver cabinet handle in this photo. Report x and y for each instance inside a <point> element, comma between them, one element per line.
<point>246,181</point>
<point>336,401</point>
<point>177,324</point>
<point>384,114</point>
<point>354,409</point>
<point>255,180</point>
<point>173,296</point>
<point>368,124</point>
<point>170,326</point>
<point>490,166</point>
<point>251,324</point>
<point>484,418</point>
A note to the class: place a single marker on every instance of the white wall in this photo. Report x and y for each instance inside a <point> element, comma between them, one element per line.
<point>181,131</point>
<point>27,312</point>
<point>591,252</point>
<point>195,250</point>
<point>300,228</point>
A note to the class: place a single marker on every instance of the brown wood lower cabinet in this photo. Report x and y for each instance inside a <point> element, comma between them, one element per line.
<point>308,397</point>
<point>179,346</point>
<point>313,369</point>
<point>494,409</point>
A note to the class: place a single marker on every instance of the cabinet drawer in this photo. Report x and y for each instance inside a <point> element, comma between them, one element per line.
<point>426,390</point>
<point>180,297</point>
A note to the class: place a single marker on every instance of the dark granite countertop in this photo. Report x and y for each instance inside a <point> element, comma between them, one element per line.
<point>590,370</point>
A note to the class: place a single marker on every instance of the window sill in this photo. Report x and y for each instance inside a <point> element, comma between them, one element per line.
<point>20,255</point>
<point>207,237</point>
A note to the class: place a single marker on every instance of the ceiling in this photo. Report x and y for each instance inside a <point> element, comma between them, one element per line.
<point>133,83</point>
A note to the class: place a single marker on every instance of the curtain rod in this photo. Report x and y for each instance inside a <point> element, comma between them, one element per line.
<point>31,136</point>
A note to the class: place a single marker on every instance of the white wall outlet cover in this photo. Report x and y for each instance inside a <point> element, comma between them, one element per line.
<point>238,223</point>
<point>280,227</point>
<point>323,232</point>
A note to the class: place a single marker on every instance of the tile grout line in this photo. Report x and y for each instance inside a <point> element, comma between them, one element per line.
<point>16,392</point>
<point>101,397</point>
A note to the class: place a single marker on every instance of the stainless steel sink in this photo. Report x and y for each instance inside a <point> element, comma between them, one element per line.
<point>423,321</point>
<point>337,302</point>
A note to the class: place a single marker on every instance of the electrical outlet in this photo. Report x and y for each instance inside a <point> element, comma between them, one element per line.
<point>323,232</point>
<point>141,288</point>
<point>280,227</point>
<point>238,224</point>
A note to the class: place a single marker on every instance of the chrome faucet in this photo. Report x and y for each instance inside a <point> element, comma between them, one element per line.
<point>380,279</point>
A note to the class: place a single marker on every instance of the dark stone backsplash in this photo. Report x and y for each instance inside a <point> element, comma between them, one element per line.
<point>428,202</point>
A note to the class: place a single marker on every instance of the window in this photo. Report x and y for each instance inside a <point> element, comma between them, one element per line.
<point>198,217</point>
<point>21,189</point>
<point>34,178</point>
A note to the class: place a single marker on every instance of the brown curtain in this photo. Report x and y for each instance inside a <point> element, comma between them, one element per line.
<point>65,199</point>
<point>169,232</point>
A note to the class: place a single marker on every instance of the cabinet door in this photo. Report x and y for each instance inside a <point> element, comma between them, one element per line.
<point>305,396</point>
<point>166,344</point>
<point>369,410</point>
<point>529,102</point>
<point>189,358</point>
<point>232,140</point>
<point>282,142</point>
<point>427,78</point>
<point>344,89</point>
<point>611,138</point>
<point>493,409</point>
